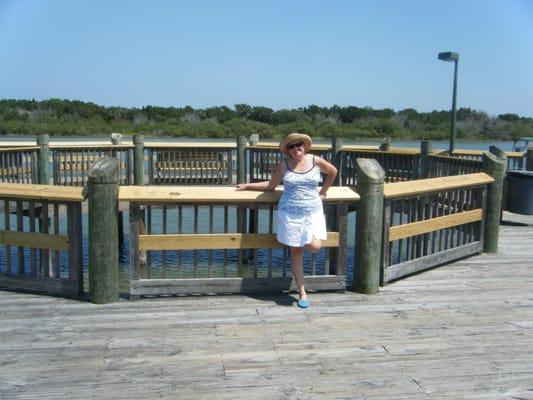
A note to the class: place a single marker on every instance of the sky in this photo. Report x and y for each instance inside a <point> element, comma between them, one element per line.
<point>277,54</point>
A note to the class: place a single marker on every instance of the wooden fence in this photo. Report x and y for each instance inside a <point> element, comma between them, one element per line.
<point>398,164</point>
<point>42,239</point>
<point>432,221</point>
<point>71,164</point>
<point>448,166</point>
<point>191,165</point>
<point>214,164</point>
<point>19,164</point>
<point>217,255</point>
<point>263,160</point>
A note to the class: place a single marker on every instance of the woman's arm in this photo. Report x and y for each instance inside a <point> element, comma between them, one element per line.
<point>328,169</point>
<point>265,185</point>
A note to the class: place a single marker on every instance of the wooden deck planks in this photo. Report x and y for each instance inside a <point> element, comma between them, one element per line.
<point>462,331</point>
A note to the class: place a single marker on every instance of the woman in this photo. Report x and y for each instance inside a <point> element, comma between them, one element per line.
<point>301,221</point>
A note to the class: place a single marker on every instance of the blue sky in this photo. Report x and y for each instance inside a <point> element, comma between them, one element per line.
<point>279,54</point>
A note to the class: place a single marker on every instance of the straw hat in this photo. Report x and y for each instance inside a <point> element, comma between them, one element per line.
<point>295,137</point>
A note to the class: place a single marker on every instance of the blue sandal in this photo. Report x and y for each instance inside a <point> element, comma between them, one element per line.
<point>303,303</point>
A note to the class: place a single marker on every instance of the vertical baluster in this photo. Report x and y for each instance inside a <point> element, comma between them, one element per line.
<point>149,231</point>
<point>135,230</point>
<point>164,227</point>
<point>33,253</point>
<point>226,220</point>
<point>255,251</point>
<point>270,231</point>
<point>174,166</point>
<point>471,227</point>
<point>460,208</point>
<point>210,252</point>
<point>434,204</point>
<point>45,253</point>
<point>196,255</point>
<point>75,256</point>
<point>180,231</point>
<point>7,227</point>
<point>20,228</point>
<point>401,204</point>
<point>56,267</point>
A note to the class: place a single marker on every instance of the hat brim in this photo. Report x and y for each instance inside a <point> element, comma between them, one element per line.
<point>295,137</point>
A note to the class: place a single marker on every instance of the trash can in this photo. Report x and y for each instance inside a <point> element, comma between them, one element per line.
<point>520,192</point>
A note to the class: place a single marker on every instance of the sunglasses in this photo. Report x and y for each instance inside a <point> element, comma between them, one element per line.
<point>295,145</point>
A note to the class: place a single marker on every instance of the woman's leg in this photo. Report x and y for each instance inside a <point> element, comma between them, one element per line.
<point>314,246</point>
<point>297,257</point>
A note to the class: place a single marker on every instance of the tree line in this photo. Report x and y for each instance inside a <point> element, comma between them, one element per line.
<point>73,117</point>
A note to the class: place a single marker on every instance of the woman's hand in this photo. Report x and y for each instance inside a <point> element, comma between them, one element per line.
<point>241,186</point>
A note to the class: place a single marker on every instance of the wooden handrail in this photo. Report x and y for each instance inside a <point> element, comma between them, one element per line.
<point>18,148</point>
<point>191,145</point>
<point>41,192</point>
<point>424,186</point>
<point>92,146</point>
<point>219,195</point>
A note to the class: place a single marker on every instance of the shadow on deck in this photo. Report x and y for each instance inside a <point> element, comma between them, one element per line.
<point>460,331</point>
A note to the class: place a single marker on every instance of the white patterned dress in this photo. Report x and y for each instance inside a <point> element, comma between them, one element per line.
<point>300,211</point>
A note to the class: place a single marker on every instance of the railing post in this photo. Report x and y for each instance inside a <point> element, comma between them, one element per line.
<point>500,154</point>
<point>103,231</point>
<point>241,159</point>
<point>44,159</point>
<point>425,151</point>
<point>138,160</point>
<point>529,158</point>
<point>241,212</point>
<point>336,158</point>
<point>368,234</point>
<point>494,167</point>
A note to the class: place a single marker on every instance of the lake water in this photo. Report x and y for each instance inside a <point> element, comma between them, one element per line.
<point>505,145</point>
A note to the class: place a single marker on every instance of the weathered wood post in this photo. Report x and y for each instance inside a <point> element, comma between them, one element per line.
<point>369,235</point>
<point>241,159</point>
<point>494,167</point>
<point>103,231</point>
<point>138,160</point>
<point>500,154</point>
<point>425,151</point>
<point>336,146</point>
<point>43,141</point>
<point>241,212</point>
<point>331,210</point>
<point>529,158</point>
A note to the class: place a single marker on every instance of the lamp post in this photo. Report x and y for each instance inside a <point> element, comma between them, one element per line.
<point>450,56</point>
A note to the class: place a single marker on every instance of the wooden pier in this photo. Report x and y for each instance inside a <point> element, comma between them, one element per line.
<point>462,331</point>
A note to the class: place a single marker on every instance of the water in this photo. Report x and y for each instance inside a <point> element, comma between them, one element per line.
<point>505,145</point>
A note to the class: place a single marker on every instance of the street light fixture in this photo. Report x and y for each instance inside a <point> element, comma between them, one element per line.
<point>451,56</point>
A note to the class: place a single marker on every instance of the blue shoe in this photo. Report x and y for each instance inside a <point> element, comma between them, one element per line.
<point>303,303</point>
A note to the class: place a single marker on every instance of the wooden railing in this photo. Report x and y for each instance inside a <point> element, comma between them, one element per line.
<point>440,165</point>
<point>399,164</point>
<point>181,164</point>
<point>216,254</point>
<point>515,159</point>
<point>71,164</point>
<point>216,163</point>
<point>429,222</point>
<point>19,164</point>
<point>41,234</point>
<point>263,159</point>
